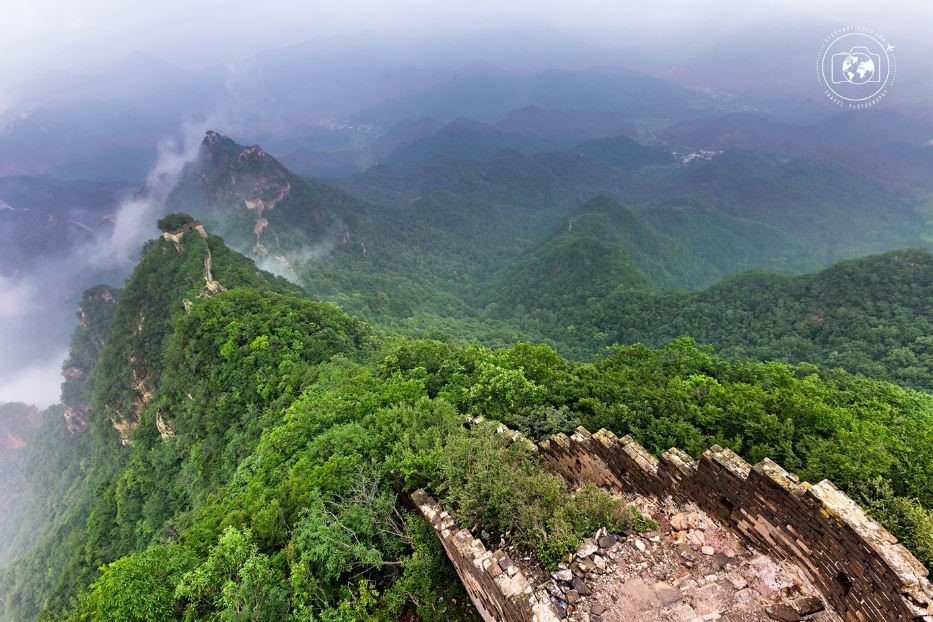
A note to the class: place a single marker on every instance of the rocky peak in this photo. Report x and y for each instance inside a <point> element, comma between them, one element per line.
<point>223,151</point>
<point>217,146</point>
<point>95,314</point>
<point>245,174</point>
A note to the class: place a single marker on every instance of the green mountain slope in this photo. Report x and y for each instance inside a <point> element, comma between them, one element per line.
<point>832,208</point>
<point>569,269</point>
<point>869,316</point>
<point>622,153</point>
<point>385,260</point>
<point>726,243</point>
<point>471,140</point>
<point>263,476</point>
<point>95,317</point>
<point>738,211</point>
<point>190,352</point>
<point>184,265</point>
<point>693,224</point>
<point>513,247</point>
<point>18,424</point>
<point>677,244</point>
<point>464,139</point>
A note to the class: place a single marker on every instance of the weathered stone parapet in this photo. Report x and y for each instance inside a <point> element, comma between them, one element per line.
<point>861,570</point>
<point>859,567</point>
<point>497,587</point>
<point>674,467</point>
<point>875,576</point>
<point>602,459</point>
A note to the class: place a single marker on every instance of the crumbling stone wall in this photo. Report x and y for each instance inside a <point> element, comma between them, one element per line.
<point>497,587</point>
<point>861,570</point>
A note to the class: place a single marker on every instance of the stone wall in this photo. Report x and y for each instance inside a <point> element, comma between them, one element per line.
<point>495,584</point>
<point>861,570</point>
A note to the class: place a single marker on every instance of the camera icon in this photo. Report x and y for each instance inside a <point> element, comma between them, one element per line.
<point>857,66</point>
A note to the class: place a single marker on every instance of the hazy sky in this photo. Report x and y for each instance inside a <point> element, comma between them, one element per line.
<point>43,36</point>
<point>43,43</point>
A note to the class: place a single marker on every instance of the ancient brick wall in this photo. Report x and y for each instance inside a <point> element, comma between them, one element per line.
<point>858,566</point>
<point>497,587</point>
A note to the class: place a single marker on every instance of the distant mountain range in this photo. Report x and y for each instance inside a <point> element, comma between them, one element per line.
<point>431,224</point>
<point>574,233</point>
<point>303,269</point>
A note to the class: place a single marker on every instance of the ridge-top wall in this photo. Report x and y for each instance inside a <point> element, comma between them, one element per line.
<point>497,587</point>
<point>859,567</point>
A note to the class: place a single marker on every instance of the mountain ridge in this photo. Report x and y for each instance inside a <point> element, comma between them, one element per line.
<point>277,425</point>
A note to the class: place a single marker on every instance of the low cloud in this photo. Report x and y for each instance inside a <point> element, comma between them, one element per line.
<point>16,297</point>
<point>282,265</point>
<point>37,383</point>
<point>135,219</point>
<point>36,307</point>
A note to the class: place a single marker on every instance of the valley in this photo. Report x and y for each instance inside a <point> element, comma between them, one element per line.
<point>357,313</point>
<point>657,258</point>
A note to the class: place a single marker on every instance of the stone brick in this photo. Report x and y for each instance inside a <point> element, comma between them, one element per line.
<point>860,569</point>
<point>499,596</point>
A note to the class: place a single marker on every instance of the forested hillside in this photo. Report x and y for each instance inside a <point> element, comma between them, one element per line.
<point>272,275</point>
<point>590,246</point>
<point>18,423</point>
<point>264,474</point>
<point>870,316</point>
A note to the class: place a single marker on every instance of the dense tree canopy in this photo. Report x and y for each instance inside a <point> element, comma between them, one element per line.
<point>265,474</point>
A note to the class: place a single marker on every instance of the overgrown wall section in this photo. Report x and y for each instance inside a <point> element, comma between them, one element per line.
<point>862,571</point>
<point>496,586</point>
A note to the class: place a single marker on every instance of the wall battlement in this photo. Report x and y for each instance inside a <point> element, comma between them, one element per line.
<point>497,587</point>
<point>859,567</point>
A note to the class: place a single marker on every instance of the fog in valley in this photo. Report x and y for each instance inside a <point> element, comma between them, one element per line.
<point>260,261</point>
<point>92,94</point>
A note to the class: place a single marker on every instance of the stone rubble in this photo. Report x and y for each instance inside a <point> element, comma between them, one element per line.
<point>829,545</point>
<point>689,570</point>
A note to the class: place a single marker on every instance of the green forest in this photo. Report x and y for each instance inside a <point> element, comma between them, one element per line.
<point>368,312</point>
<point>606,243</point>
<point>248,450</point>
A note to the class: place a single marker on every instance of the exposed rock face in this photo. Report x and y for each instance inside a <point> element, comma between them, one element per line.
<point>166,429</point>
<point>244,177</point>
<point>261,208</point>
<point>176,235</point>
<point>95,315</point>
<point>76,417</point>
<point>244,171</point>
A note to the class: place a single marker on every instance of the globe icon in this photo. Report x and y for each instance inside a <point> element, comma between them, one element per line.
<point>855,67</point>
<point>858,66</point>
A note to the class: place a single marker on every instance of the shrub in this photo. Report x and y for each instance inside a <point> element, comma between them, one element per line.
<point>497,484</point>
<point>139,587</point>
<point>173,222</point>
<point>544,422</point>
